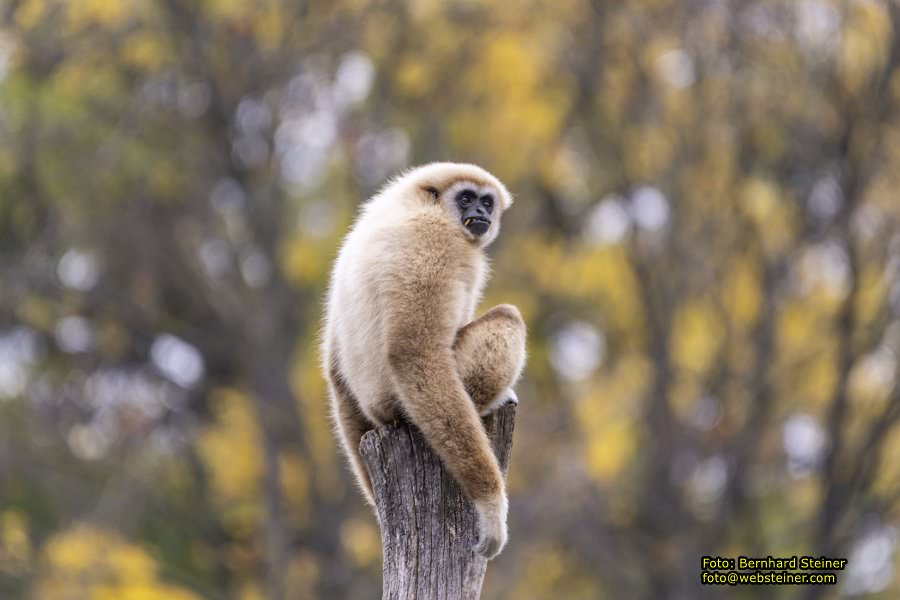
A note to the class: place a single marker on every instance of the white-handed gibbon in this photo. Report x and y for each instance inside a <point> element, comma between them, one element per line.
<point>400,340</point>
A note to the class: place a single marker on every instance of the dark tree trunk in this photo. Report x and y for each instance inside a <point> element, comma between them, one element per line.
<point>428,528</point>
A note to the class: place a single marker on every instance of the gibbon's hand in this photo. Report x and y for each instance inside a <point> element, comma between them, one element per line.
<point>492,532</point>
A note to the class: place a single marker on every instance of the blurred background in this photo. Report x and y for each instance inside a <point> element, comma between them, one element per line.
<point>705,246</point>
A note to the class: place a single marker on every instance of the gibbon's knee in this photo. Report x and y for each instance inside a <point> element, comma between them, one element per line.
<point>507,311</point>
<point>490,353</point>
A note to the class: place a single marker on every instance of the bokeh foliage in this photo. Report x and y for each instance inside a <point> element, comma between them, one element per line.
<point>705,245</point>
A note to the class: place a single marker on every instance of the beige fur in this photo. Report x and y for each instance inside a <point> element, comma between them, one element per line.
<point>399,338</point>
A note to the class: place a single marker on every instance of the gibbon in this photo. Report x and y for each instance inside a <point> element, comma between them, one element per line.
<point>399,340</point>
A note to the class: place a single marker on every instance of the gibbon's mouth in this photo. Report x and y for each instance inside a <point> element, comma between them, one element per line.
<point>477,225</point>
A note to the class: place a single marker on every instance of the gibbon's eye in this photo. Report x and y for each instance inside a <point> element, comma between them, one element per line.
<point>488,202</point>
<point>465,198</point>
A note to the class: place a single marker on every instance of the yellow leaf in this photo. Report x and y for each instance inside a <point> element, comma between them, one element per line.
<point>741,291</point>
<point>647,151</point>
<point>362,541</point>
<point>762,201</point>
<point>144,51</point>
<point>107,13</point>
<point>231,10</point>
<point>697,336</point>
<point>86,561</point>
<point>610,449</point>
<point>864,41</point>
<point>30,13</point>
<point>231,449</point>
<point>413,77</point>
<point>15,545</point>
<point>295,484</point>
<point>303,261</point>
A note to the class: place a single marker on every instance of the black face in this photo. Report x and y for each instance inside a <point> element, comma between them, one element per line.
<point>475,211</point>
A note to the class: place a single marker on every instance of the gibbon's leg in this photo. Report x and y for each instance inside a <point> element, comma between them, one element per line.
<point>490,354</point>
<point>351,425</point>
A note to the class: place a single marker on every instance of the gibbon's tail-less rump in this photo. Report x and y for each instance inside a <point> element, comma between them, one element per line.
<point>400,339</point>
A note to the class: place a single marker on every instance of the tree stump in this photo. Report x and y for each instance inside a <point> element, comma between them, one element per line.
<point>428,528</point>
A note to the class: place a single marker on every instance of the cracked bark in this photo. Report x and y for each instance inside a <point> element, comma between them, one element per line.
<point>428,528</point>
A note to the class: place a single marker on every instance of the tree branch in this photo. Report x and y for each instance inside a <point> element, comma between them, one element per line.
<point>428,528</point>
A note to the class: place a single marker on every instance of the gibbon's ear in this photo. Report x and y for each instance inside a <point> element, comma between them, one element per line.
<point>433,191</point>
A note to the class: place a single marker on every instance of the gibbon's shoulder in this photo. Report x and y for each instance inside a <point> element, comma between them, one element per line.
<point>422,247</point>
<point>430,236</point>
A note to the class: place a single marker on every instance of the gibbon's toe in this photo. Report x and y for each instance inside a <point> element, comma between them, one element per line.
<point>504,399</point>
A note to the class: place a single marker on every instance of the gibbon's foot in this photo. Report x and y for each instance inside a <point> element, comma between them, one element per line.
<point>492,533</point>
<point>510,398</point>
<point>504,399</point>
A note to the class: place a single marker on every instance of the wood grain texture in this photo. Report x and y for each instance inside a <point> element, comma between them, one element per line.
<point>428,528</point>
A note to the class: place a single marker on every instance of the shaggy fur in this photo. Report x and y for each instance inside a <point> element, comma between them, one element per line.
<point>399,338</point>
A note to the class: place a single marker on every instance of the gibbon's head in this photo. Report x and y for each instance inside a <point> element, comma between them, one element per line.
<point>469,195</point>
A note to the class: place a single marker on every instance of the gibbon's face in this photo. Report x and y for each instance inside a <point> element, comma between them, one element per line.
<point>476,208</point>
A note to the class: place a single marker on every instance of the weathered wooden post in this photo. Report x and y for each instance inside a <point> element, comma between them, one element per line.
<point>428,528</point>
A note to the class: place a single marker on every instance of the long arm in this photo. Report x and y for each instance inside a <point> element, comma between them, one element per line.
<point>421,333</point>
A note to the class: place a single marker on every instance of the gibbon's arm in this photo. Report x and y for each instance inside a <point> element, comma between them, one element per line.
<point>420,335</point>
